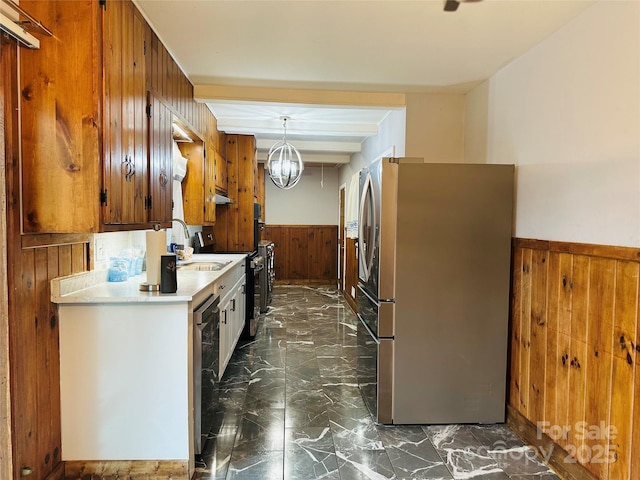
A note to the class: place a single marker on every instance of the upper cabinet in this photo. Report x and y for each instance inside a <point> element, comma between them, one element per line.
<point>160,200</point>
<point>61,99</point>
<point>234,222</point>
<point>198,188</point>
<point>97,103</point>
<point>125,161</point>
<point>221,180</point>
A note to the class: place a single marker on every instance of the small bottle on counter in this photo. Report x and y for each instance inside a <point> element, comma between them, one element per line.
<point>168,274</point>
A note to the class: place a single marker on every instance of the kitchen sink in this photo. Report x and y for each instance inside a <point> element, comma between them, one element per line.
<point>204,266</point>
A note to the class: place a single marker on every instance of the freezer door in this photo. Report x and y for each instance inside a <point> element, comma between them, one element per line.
<point>374,373</point>
<point>378,315</point>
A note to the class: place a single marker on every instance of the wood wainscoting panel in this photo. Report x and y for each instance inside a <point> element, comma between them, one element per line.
<point>34,352</point>
<point>574,352</point>
<point>622,402</point>
<point>304,253</point>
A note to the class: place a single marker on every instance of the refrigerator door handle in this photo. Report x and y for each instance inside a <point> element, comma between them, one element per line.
<point>366,251</point>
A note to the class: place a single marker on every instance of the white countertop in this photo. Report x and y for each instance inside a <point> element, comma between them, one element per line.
<point>93,288</point>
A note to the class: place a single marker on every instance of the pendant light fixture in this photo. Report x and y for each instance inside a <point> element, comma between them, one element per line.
<point>284,162</point>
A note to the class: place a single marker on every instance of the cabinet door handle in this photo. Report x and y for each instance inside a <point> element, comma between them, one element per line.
<point>221,287</point>
<point>163,179</point>
<point>129,167</point>
<point>132,168</point>
<point>233,304</point>
<point>126,167</point>
<point>225,317</point>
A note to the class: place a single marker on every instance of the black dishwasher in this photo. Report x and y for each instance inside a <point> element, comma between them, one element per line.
<point>206,364</point>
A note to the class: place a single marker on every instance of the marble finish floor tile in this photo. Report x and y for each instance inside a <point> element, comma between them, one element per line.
<point>289,408</point>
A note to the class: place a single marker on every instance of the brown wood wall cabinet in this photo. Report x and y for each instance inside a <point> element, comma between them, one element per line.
<point>220,171</point>
<point>305,253</point>
<point>125,176</point>
<point>98,99</point>
<point>574,354</point>
<point>160,200</point>
<point>198,187</point>
<point>234,222</point>
<point>61,121</point>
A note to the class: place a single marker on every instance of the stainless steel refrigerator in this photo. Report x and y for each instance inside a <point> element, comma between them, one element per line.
<point>434,253</point>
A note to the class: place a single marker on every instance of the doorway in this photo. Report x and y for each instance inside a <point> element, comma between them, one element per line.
<point>341,234</point>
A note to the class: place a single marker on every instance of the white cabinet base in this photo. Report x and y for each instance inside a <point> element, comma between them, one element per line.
<point>125,382</point>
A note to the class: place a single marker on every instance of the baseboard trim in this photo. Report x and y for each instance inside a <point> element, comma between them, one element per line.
<point>314,283</point>
<point>543,443</point>
<point>139,469</point>
<point>57,473</point>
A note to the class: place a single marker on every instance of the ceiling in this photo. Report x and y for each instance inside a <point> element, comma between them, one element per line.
<point>342,45</point>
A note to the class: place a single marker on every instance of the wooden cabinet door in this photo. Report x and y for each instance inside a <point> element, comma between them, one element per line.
<point>160,161</point>
<point>125,131</point>
<point>220,173</point>
<point>210,185</point>
<point>60,123</point>
<point>245,196</point>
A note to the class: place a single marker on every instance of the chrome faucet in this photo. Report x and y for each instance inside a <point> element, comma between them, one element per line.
<point>186,230</point>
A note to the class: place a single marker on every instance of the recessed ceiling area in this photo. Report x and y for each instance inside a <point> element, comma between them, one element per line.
<point>343,45</point>
<point>326,134</point>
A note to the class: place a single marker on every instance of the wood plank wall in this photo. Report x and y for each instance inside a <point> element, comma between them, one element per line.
<point>575,349</point>
<point>305,253</point>
<point>8,80</point>
<point>32,318</point>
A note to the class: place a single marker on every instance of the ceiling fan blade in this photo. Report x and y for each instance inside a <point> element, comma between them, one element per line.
<point>451,5</point>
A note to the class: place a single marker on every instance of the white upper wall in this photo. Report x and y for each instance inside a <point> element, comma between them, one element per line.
<point>308,203</point>
<point>567,113</point>
<point>390,138</point>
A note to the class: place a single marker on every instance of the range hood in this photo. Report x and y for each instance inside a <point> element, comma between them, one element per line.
<point>222,200</point>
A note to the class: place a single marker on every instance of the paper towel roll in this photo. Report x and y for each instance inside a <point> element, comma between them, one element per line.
<point>156,247</point>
